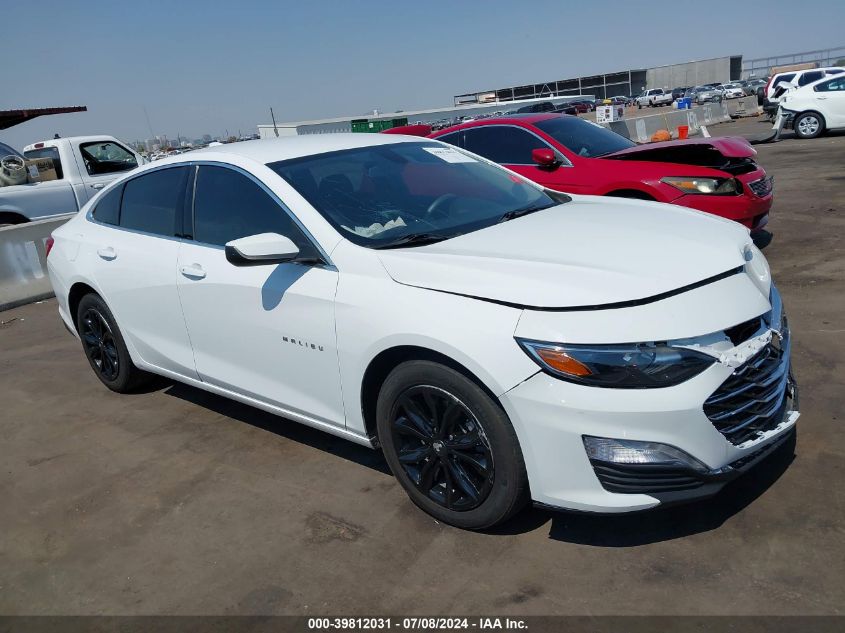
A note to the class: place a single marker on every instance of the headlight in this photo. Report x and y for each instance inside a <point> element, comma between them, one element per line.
<point>718,186</point>
<point>629,366</point>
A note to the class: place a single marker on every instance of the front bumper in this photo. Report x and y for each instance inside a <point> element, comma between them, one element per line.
<point>552,416</point>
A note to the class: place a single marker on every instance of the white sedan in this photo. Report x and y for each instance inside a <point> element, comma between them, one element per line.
<point>499,342</point>
<point>732,91</point>
<point>815,108</point>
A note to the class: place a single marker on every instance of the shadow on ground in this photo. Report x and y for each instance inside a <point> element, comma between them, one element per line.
<point>271,423</point>
<point>620,530</point>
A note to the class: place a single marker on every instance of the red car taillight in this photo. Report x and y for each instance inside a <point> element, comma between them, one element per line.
<point>766,89</point>
<point>48,245</point>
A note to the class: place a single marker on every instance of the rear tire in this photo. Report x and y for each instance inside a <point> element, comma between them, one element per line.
<point>105,347</point>
<point>450,445</point>
<point>808,125</point>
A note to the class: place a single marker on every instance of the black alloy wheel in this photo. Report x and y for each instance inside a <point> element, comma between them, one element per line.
<point>442,448</point>
<point>104,347</point>
<point>99,344</point>
<point>450,445</point>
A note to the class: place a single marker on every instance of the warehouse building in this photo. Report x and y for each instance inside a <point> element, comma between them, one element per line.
<point>377,122</point>
<point>625,82</point>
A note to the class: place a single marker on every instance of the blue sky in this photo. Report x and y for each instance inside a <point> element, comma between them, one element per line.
<point>203,66</point>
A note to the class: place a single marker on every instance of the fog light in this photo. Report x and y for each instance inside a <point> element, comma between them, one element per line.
<point>614,451</point>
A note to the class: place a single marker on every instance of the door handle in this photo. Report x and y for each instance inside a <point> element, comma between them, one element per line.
<point>821,98</point>
<point>194,271</point>
<point>107,253</point>
<point>98,185</point>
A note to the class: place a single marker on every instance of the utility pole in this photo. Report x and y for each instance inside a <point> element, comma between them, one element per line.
<point>275,129</point>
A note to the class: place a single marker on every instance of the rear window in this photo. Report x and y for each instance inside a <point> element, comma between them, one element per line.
<point>48,152</point>
<point>583,138</point>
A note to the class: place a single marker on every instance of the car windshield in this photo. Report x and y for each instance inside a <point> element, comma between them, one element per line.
<point>584,138</point>
<point>405,194</point>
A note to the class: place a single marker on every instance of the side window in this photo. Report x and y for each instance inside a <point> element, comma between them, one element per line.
<point>151,202</point>
<point>48,152</point>
<point>106,158</point>
<point>810,77</point>
<point>502,144</point>
<point>453,139</point>
<point>108,208</point>
<point>834,85</point>
<point>228,205</point>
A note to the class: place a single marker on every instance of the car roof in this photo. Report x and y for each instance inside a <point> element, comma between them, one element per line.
<point>274,149</point>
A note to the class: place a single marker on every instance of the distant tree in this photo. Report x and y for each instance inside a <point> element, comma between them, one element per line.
<point>839,62</point>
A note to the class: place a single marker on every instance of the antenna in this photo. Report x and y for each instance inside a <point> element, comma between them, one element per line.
<point>273,116</point>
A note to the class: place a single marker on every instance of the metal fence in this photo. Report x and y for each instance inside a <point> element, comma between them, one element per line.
<point>23,262</point>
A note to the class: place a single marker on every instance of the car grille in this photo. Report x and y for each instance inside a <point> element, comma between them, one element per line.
<point>753,399</point>
<point>763,186</point>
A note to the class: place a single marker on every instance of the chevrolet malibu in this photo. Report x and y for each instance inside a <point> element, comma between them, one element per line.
<point>500,342</point>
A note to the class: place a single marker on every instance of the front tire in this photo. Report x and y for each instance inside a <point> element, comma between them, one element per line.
<point>450,446</point>
<point>105,348</point>
<point>808,125</point>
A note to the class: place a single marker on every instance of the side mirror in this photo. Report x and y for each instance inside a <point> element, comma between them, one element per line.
<point>264,248</point>
<point>545,157</point>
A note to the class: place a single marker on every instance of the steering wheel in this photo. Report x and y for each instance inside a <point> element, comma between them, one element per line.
<point>438,206</point>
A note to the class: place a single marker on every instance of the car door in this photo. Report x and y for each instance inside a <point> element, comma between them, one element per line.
<point>830,98</point>
<point>100,162</point>
<point>133,262</point>
<point>263,331</point>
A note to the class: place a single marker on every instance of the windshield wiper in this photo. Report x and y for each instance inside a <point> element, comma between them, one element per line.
<point>415,239</point>
<point>518,213</point>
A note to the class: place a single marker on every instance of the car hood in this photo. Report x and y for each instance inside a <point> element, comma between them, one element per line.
<point>592,251</point>
<point>687,151</point>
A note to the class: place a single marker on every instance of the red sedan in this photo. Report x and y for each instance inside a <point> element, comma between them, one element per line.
<point>565,153</point>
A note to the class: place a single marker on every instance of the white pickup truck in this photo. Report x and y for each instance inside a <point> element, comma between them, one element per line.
<point>83,165</point>
<point>654,97</point>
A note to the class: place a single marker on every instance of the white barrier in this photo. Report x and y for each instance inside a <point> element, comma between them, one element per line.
<point>641,129</point>
<point>23,262</point>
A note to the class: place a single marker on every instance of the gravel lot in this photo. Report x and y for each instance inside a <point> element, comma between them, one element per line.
<point>179,502</point>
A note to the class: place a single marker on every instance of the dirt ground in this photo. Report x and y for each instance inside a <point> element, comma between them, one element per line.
<point>175,501</point>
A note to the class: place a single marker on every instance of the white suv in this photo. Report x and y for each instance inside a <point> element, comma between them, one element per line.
<point>499,342</point>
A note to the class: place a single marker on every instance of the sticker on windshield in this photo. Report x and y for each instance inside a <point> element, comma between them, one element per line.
<point>450,155</point>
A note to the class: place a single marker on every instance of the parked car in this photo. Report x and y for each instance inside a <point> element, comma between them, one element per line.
<point>733,91</point>
<point>496,340</point>
<point>653,98</point>
<point>815,108</point>
<point>542,106</point>
<point>704,94</point>
<point>83,166</point>
<point>566,108</point>
<point>583,106</point>
<point>678,93</point>
<point>562,153</point>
